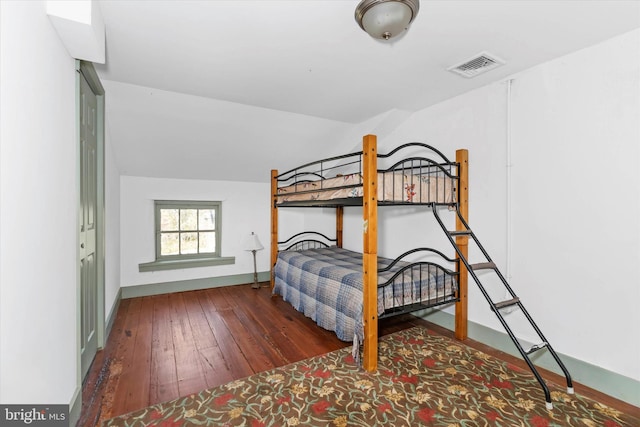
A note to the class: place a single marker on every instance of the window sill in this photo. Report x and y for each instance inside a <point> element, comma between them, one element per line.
<point>184,263</point>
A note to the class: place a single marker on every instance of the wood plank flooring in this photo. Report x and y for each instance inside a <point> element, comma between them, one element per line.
<point>166,346</point>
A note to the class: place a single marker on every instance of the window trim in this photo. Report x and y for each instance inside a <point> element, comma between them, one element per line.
<point>175,262</point>
<point>188,204</point>
<point>187,263</point>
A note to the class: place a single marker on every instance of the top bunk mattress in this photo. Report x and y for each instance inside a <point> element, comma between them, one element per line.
<point>393,187</point>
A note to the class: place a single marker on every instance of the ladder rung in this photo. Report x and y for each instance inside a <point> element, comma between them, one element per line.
<point>460,233</point>
<point>482,266</point>
<point>537,347</point>
<point>507,303</point>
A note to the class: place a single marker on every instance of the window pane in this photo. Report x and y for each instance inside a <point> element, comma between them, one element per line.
<point>188,243</point>
<point>207,219</point>
<point>168,219</point>
<point>188,219</point>
<point>187,229</point>
<point>208,242</point>
<point>169,244</point>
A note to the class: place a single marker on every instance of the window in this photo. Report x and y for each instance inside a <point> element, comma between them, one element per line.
<point>187,234</point>
<point>187,229</point>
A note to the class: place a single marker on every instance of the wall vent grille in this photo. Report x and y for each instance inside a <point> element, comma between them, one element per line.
<point>480,63</point>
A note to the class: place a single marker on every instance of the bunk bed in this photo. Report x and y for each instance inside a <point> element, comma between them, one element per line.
<point>348,292</point>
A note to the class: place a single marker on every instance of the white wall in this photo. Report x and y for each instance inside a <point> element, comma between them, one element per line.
<point>38,203</point>
<point>112,225</point>
<point>245,208</point>
<point>576,190</point>
<point>575,257</point>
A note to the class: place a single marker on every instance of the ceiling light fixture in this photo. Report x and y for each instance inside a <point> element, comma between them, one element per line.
<point>385,19</point>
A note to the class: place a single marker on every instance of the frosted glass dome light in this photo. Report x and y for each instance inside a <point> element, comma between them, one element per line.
<point>385,19</point>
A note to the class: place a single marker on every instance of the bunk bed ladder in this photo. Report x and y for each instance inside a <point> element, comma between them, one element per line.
<point>465,230</point>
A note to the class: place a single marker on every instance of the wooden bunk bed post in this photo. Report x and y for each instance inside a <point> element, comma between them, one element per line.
<point>370,252</point>
<point>462,158</point>
<point>274,223</point>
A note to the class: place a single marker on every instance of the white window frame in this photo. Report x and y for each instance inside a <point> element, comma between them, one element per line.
<point>169,262</point>
<point>180,205</point>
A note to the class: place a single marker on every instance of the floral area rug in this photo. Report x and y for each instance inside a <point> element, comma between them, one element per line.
<point>422,379</point>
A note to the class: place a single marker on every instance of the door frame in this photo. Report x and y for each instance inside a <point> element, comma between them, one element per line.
<point>85,69</point>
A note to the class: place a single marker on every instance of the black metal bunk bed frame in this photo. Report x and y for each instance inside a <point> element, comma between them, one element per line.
<point>423,165</point>
<point>313,240</point>
<point>458,238</point>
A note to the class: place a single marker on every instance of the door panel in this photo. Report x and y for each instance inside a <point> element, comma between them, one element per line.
<point>88,202</point>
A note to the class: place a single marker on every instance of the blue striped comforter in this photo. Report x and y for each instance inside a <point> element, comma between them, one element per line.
<point>326,285</point>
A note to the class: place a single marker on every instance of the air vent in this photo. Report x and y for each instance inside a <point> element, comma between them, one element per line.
<point>480,63</point>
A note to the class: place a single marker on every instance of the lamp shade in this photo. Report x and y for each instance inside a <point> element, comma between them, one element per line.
<point>385,19</point>
<point>252,243</point>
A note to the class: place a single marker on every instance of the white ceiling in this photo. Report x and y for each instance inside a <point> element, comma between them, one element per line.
<point>193,86</point>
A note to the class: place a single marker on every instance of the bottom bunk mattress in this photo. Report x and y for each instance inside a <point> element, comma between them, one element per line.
<point>326,285</point>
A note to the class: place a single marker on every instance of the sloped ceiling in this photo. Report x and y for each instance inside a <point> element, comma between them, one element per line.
<point>227,90</point>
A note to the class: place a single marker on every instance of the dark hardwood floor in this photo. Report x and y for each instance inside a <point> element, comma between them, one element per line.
<point>166,346</point>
